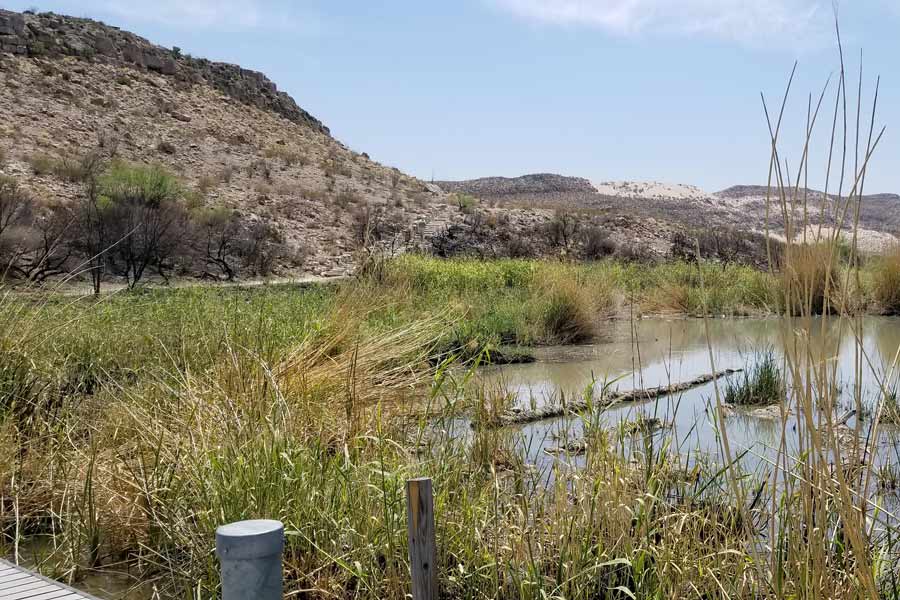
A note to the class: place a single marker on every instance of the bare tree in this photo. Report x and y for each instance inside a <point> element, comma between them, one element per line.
<point>562,229</point>
<point>93,236</point>
<point>217,241</point>
<point>260,247</point>
<point>15,203</point>
<point>143,215</point>
<point>45,245</point>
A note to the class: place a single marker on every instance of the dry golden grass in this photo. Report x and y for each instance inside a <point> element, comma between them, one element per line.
<point>886,280</point>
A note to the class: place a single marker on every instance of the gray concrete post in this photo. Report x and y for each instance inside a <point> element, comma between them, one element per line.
<point>250,557</point>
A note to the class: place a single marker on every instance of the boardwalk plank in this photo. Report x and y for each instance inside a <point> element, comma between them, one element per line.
<point>18,583</point>
<point>14,580</point>
<point>28,585</point>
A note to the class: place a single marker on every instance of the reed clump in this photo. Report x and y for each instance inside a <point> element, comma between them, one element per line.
<point>759,384</point>
<point>569,307</point>
<point>810,279</point>
<point>885,281</point>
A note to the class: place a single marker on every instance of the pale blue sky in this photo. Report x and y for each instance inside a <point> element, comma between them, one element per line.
<point>605,89</point>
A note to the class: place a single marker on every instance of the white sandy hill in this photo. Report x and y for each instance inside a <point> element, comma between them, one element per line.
<point>867,240</point>
<point>650,189</point>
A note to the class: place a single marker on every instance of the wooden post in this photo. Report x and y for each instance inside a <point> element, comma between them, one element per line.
<point>420,530</point>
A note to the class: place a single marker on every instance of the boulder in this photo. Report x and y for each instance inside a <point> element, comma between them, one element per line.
<point>11,23</point>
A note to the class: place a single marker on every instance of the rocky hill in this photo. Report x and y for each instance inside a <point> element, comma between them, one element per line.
<point>681,207</point>
<point>47,34</point>
<point>255,185</point>
<point>75,92</point>
<point>538,183</point>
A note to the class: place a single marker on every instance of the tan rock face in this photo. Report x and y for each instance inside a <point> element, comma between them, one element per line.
<point>230,154</point>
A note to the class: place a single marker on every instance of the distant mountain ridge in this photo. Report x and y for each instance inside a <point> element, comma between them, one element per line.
<point>740,207</point>
<point>536,183</point>
<point>743,191</point>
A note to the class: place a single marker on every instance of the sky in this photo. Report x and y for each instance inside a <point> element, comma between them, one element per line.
<point>665,90</point>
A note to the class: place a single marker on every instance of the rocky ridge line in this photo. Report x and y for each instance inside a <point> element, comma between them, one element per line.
<point>49,34</point>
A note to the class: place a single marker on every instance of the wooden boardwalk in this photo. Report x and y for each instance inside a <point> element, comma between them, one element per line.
<point>17,583</point>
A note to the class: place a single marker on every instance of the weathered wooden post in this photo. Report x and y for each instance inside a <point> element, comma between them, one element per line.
<point>420,530</point>
<point>250,556</point>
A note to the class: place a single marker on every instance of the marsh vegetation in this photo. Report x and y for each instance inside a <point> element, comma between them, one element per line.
<point>131,425</point>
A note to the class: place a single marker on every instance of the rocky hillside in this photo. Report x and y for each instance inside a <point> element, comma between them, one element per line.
<point>47,34</point>
<point>680,207</point>
<point>77,96</point>
<point>255,185</point>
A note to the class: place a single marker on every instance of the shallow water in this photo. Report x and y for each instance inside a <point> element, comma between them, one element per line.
<point>657,352</point>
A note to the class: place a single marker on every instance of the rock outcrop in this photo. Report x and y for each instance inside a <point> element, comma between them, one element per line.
<point>537,183</point>
<point>49,34</point>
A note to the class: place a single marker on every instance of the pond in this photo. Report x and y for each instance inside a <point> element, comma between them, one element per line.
<point>659,352</point>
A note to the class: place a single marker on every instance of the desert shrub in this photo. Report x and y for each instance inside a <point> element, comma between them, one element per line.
<point>40,163</point>
<point>347,197</point>
<point>596,243</point>
<point>761,383</point>
<point>166,147</point>
<point>289,155</point>
<point>886,280</point>
<point>464,202</point>
<point>562,230</point>
<point>316,195</point>
<point>206,184</point>
<point>73,169</point>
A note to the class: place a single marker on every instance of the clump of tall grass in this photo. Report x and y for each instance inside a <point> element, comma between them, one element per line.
<point>568,308</point>
<point>761,383</point>
<point>810,279</point>
<point>434,275</point>
<point>885,280</point>
<point>890,408</point>
<point>706,288</point>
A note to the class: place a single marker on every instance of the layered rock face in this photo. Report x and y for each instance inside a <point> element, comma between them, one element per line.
<point>48,34</point>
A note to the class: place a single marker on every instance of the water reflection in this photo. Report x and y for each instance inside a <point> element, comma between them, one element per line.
<point>857,354</point>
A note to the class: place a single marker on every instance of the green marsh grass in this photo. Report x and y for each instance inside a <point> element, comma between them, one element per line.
<point>761,383</point>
